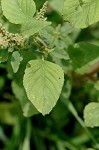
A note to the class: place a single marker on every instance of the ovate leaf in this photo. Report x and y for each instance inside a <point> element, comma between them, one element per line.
<point>43,83</point>
<point>81,13</point>
<point>91,115</point>
<point>18,11</point>
<point>83,56</point>
<point>33,26</point>
<point>15,61</point>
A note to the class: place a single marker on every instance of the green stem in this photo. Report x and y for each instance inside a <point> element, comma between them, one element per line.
<point>81,122</point>
<point>43,57</point>
<point>41,41</point>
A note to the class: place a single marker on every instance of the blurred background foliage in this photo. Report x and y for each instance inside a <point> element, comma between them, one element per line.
<point>63,128</point>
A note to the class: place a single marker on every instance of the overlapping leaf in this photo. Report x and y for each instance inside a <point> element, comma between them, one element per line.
<point>33,26</point>
<point>81,13</point>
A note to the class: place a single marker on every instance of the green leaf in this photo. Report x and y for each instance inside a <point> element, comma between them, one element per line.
<point>60,53</point>
<point>18,11</point>
<point>3,55</point>
<point>33,26</point>
<point>81,13</point>
<point>27,107</point>
<point>96,85</point>
<point>83,55</point>
<point>27,56</point>
<point>15,61</point>
<point>91,115</point>
<point>17,85</point>
<point>57,5</point>
<point>43,83</point>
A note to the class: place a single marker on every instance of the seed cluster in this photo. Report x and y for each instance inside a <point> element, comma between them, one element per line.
<point>10,40</point>
<point>41,13</point>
